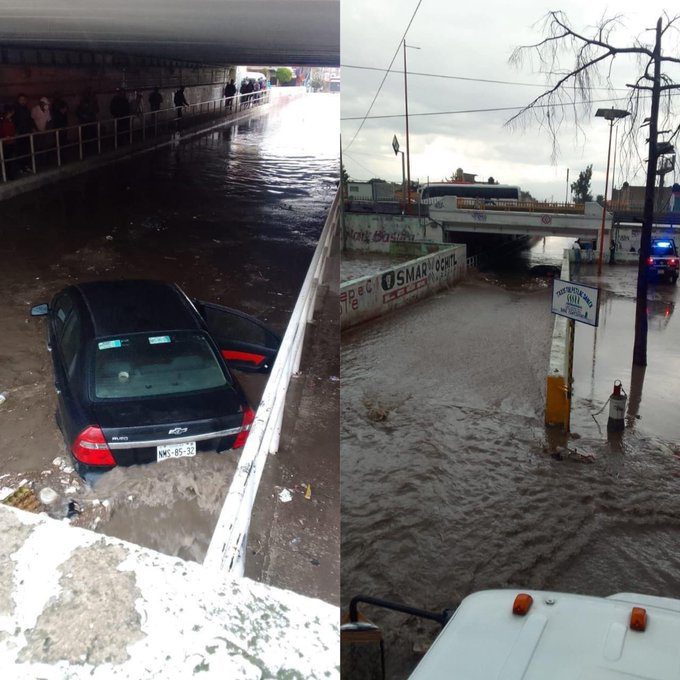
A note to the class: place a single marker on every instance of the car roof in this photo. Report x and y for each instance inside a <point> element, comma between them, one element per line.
<point>137,306</point>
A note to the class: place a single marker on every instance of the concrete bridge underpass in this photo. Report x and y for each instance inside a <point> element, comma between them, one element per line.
<point>297,32</point>
<point>545,220</point>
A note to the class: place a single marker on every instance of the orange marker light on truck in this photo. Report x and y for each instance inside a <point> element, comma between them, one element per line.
<point>638,619</point>
<point>522,604</point>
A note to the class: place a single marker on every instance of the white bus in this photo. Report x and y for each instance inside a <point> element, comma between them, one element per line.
<point>488,193</point>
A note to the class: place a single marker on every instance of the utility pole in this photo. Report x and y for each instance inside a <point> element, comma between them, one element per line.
<point>640,345</point>
<point>566,191</point>
<point>408,150</point>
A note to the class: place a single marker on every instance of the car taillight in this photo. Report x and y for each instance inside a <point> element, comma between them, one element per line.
<point>248,417</point>
<point>90,447</point>
<point>673,262</point>
<point>650,260</point>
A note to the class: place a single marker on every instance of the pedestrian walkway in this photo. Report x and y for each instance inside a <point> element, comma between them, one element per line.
<point>57,154</point>
<point>294,540</point>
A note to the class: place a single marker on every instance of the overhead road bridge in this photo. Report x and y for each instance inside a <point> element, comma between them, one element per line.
<point>200,31</point>
<point>529,219</point>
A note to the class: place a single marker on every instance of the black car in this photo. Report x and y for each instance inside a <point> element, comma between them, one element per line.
<point>663,262</point>
<point>142,372</point>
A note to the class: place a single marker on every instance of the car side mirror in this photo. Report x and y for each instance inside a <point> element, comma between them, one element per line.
<point>40,310</point>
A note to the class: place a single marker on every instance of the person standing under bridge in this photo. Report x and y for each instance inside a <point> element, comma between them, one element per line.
<point>7,133</point>
<point>230,93</point>
<point>180,101</point>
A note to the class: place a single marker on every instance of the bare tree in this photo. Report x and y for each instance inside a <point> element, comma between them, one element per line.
<point>570,95</point>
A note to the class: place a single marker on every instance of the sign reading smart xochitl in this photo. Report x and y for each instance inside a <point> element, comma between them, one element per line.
<point>576,301</point>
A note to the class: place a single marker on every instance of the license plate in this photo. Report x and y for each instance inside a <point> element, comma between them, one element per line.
<point>183,450</point>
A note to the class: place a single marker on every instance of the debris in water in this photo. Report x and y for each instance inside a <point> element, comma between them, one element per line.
<point>24,498</point>
<point>308,491</point>
<point>58,461</point>
<point>3,398</point>
<point>48,496</point>
<point>285,496</point>
<point>73,509</point>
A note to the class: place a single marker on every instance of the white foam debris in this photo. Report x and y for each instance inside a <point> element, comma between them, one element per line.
<point>285,496</point>
<point>48,496</point>
<point>58,461</point>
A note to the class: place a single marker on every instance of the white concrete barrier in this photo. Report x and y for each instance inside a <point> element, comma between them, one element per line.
<point>227,548</point>
<point>557,400</point>
<point>372,296</point>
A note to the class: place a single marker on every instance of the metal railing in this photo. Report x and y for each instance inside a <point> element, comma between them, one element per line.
<point>520,206</point>
<point>227,548</point>
<point>40,151</point>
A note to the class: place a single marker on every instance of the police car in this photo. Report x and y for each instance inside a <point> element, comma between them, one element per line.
<point>664,262</point>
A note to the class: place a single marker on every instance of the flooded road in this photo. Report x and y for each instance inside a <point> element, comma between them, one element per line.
<point>451,483</point>
<point>233,217</point>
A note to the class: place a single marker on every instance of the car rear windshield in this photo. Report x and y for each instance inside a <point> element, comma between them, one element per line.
<point>663,248</point>
<point>146,365</point>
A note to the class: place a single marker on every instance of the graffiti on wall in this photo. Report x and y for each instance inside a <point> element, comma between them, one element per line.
<point>374,295</point>
<point>351,298</point>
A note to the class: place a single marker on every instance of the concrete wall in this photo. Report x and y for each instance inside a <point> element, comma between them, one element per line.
<point>557,401</point>
<point>372,232</point>
<point>372,296</point>
<point>69,80</point>
<point>627,239</point>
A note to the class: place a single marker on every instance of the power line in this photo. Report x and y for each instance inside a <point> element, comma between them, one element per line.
<point>382,82</point>
<point>360,164</point>
<point>474,80</point>
<point>498,108</point>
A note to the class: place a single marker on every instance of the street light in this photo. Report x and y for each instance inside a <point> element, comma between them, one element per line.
<point>612,115</point>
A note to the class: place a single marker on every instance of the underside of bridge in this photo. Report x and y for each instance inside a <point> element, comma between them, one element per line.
<point>217,32</point>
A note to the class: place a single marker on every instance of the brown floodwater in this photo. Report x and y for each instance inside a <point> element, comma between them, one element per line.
<point>233,216</point>
<point>450,481</point>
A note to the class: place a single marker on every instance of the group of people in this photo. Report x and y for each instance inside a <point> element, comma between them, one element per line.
<point>124,108</point>
<point>249,92</point>
<point>19,118</point>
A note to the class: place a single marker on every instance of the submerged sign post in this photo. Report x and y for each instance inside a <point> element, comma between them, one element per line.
<point>579,303</point>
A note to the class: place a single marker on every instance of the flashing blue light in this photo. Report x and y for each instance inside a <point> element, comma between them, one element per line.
<point>663,244</point>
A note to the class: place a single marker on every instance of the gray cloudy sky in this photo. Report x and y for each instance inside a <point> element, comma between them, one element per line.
<point>475,39</point>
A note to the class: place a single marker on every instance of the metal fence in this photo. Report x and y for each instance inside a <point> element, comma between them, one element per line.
<point>227,548</point>
<point>40,151</point>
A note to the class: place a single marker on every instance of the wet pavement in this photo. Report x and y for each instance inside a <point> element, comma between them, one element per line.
<point>233,217</point>
<point>451,483</point>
